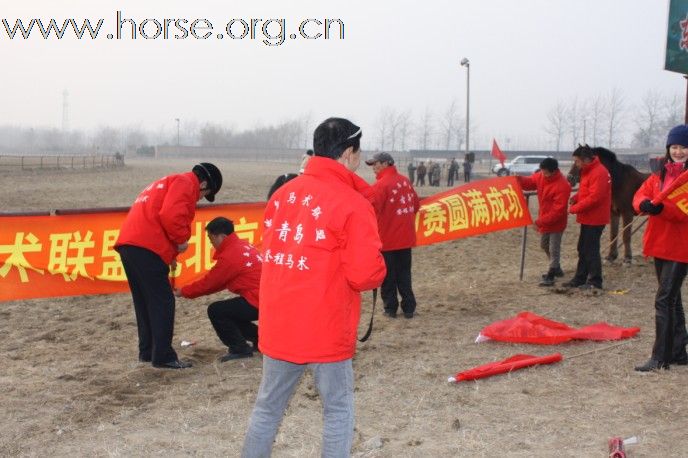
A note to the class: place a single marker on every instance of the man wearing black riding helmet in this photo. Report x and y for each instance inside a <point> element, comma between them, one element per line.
<point>156,229</point>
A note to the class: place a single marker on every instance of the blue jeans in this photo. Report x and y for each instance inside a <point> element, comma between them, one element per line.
<point>335,384</point>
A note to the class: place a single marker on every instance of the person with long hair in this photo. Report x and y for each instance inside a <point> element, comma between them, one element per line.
<point>664,240</point>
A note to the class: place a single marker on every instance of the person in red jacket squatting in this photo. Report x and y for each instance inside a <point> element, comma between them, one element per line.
<point>237,269</point>
<point>155,230</point>
<point>592,207</point>
<point>553,192</point>
<point>665,241</point>
<point>396,205</point>
<point>320,250</point>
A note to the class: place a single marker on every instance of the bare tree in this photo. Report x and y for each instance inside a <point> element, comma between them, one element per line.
<point>425,129</point>
<point>404,127</point>
<point>615,109</point>
<point>383,127</point>
<point>450,123</point>
<point>649,120</point>
<point>673,113</point>
<point>574,119</point>
<point>393,122</point>
<point>597,107</point>
<point>557,122</point>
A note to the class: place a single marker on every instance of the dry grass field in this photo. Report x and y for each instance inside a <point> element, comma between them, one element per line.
<point>70,383</point>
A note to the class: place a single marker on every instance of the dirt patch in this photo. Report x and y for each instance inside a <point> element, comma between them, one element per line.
<point>71,384</point>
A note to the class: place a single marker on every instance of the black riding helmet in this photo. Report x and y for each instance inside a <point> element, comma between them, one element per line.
<point>205,171</point>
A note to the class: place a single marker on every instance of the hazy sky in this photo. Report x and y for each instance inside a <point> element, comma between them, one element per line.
<point>525,56</point>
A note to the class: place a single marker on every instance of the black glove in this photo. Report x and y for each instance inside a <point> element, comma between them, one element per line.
<point>646,206</point>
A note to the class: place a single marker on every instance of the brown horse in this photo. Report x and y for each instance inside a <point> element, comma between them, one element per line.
<point>625,182</point>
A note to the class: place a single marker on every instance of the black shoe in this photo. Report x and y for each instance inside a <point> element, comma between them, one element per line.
<point>558,272</point>
<point>237,355</point>
<point>589,287</point>
<point>176,364</point>
<point>572,284</point>
<point>680,361</point>
<point>408,315</point>
<point>652,365</point>
<point>547,281</point>
<point>389,314</point>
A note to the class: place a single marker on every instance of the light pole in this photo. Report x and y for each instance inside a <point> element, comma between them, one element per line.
<point>466,63</point>
<point>177,119</point>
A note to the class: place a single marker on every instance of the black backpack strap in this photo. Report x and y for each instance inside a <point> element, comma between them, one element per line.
<point>372,315</point>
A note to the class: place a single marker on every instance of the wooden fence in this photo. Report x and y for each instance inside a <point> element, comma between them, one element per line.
<point>33,162</point>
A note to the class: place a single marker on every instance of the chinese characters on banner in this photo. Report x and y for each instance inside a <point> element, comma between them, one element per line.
<point>475,208</point>
<point>71,255</point>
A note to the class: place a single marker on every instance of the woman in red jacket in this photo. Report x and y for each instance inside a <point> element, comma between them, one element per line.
<point>664,240</point>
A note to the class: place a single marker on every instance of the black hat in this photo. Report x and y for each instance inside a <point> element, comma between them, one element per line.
<point>381,157</point>
<point>211,175</point>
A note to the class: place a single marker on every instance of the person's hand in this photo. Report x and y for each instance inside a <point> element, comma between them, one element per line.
<point>173,265</point>
<point>182,247</point>
<point>646,206</point>
<point>178,292</point>
<point>572,200</point>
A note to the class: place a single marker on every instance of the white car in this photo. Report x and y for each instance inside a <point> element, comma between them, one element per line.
<point>520,165</point>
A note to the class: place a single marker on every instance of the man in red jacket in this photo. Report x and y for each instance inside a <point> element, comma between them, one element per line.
<point>237,269</point>
<point>553,192</point>
<point>396,204</point>
<point>155,230</point>
<point>592,207</point>
<point>320,250</point>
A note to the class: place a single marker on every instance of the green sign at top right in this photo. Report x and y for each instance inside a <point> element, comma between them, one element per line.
<point>677,37</point>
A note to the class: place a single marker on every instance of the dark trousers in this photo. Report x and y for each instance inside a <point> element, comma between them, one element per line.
<point>398,278</point>
<point>589,267</point>
<point>670,321</point>
<point>421,180</point>
<point>147,275</point>
<point>232,320</point>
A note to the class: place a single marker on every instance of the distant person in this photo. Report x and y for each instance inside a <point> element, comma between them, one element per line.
<point>156,229</point>
<point>396,221</point>
<point>411,171</point>
<point>290,176</point>
<point>453,172</point>
<point>321,249</point>
<point>435,172</point>
<point>664,240</point>
<point>553,192</point>
<point>467,169</point>
<point>421,171</point>
<point>592,207</point>
<point>237,269</point>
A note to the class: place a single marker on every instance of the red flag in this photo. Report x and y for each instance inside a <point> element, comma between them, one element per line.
<point>527,327</point>
<point>497,153</point>
<point>677,183</point>
<point>500,367</point>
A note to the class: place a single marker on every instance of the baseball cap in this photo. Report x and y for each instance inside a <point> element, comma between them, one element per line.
<point>381,157</point>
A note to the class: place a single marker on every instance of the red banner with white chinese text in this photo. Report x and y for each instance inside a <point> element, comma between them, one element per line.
<point>72,254</point>
<point>472,209</point>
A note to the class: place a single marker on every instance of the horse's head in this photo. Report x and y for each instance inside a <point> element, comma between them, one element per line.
<point>574,173</point>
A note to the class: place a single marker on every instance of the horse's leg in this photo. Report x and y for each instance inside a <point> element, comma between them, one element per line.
<point>627,220</point>
<point>614,232</point>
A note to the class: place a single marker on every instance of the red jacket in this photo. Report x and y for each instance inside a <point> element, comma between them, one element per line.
<point>592,205</point>
<point>553,198</point>
<point>237,269</point>
<point>396,204</point>
<point>161,216</point>
<point>320,250</point>
<point>665,236</point>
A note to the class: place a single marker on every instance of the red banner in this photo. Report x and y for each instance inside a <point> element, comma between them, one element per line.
<point>475,208</point>
<point>72,254</point>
